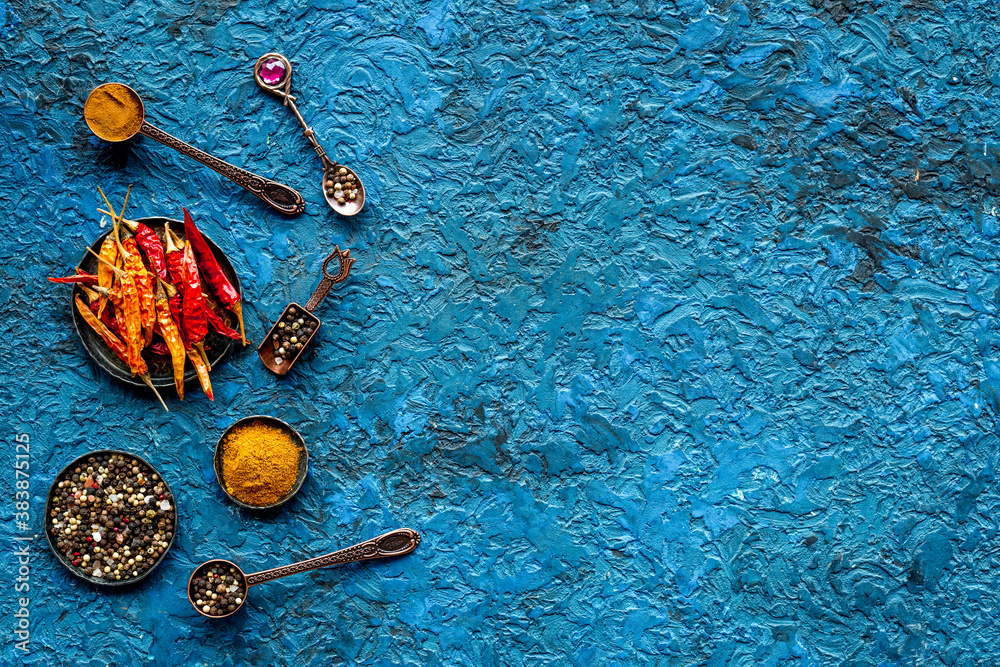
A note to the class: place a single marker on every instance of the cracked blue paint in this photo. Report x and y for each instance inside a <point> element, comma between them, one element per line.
<point>672,327</point>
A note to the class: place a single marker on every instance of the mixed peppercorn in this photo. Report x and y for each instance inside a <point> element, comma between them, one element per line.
<point>342,185</point>
<point>112,517</point>
<point>217,588</point>
<point>292,333</point>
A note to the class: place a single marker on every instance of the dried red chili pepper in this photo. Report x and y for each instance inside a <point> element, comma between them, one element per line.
<point>160,348</point>
<point>80,279</point>
<point>215,321</point>
<point>177,311</point>
<point>212,271</point>
<point>175,267</point>
<point>174,256</point>
<point>108,316</point>
<point>151,246</point>
<point>195,315</point>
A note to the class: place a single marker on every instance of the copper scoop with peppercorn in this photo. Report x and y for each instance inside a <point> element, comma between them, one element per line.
<point>218,588</point>
<point>297,325</point>
<point>342,187</point>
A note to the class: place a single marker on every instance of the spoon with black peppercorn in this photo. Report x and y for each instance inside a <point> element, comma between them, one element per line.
<point>342,187</point>
<point>218,588</point>
<point>297,325</point>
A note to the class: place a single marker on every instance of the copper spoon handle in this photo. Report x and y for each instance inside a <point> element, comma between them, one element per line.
<point>328,164</point>
<point>394,543</point>
<point>283,89</point>
<point>328,280</point>
<point>277,195</point>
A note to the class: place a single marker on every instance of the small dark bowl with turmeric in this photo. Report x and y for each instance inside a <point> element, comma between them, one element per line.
<point>261,462</point>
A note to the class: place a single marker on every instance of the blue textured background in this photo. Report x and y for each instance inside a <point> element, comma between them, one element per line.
<point>673,326</point>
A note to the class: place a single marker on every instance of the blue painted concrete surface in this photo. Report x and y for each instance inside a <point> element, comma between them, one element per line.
<point>673,327</point>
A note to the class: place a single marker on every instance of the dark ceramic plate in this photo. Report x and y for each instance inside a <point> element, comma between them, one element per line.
<point>300,475</point>
<point>160,369</point>
<point>68,564</point>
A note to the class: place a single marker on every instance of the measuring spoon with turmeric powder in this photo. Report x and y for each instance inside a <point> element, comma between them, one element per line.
<point>218,588</point>
<point>115,112</point>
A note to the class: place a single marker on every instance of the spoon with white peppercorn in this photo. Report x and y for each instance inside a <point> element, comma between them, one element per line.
<point>218,588</point>
<point>342,187</point>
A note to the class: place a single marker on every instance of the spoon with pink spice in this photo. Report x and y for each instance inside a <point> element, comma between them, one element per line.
<point>342,187</point>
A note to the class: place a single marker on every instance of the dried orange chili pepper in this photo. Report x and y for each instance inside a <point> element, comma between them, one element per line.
<point>143,284</point>
<point>168,329</point>
<point>201,368</point>
<point>105,275</point>
<point>115,343</point>
<point>132,322</point>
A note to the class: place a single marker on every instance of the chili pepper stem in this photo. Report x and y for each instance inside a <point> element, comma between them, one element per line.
<point>112,208</point>
<point>238,309</point>
<point>169,244</point>
<point>116,218</point>
<point>118,272</point>
<point>118,241</point>
<point>91,294</point>
<point>121,214</point>
<point>145,378</point>
<point>201,350</point>
<point>124,204</point>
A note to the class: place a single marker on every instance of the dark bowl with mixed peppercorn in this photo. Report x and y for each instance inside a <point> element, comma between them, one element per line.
<point>98,547</point>
<point>161,371</point>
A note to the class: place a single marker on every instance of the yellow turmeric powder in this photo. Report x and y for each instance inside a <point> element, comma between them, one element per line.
<point>259,463</point>
<point>113,112</point>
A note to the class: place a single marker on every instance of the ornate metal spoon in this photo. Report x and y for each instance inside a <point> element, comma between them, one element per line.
<point>115,112</point>
<point>233,581</point>
<point>342,187</point>
<point>272,351</point>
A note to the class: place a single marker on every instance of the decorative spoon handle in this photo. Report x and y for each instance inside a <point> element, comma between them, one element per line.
<point>277,195</point>
<point>282,87</point>
<point>329,281</point>
<point>394,543</point>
